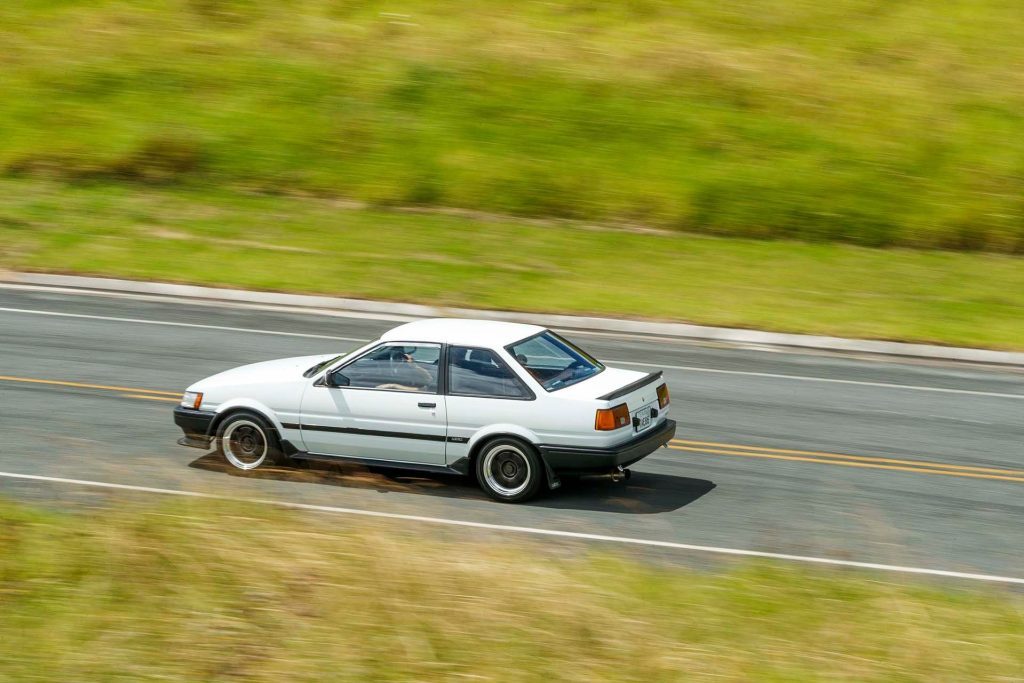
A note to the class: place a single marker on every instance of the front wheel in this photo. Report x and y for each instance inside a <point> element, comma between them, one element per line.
<point>509,470</point>
<point>246,441</point>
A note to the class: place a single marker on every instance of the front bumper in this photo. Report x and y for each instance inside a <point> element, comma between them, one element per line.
<point>195,424</point>
<point>583,459</point>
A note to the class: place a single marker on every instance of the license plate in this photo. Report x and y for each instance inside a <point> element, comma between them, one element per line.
<point>642,419</point>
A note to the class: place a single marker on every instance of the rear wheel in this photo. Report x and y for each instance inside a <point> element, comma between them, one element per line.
<point>247,441</point>
<point>509,470</point>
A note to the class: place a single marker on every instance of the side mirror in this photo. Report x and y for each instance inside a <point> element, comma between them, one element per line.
<point>336,379</point>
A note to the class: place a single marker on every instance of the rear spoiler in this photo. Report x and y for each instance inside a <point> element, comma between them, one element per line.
<point>633,386</point>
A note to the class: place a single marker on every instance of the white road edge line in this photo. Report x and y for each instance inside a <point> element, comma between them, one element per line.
<point>527,530</point>
<point>142,321</point>
<point>804,378</point>
<point>690,368</point>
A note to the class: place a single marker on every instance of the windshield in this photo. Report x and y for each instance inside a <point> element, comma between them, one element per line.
<point>553,361</point>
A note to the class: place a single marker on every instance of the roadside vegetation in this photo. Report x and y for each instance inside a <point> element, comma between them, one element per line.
<point>874,123</point>
<point>328,246</point>
<point>204,591</point>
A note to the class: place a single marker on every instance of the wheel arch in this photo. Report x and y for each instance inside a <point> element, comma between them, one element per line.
<point>282,450</point>
<point>226,410</point>
<point>498,431</point>
<point>484,437</point>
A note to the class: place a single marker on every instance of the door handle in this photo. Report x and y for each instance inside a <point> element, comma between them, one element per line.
<point>427,405</point>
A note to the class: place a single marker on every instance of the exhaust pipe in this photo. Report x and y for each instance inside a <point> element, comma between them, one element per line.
<point>621,474</point>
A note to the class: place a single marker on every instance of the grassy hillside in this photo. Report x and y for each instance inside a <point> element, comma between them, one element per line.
<point>200,591</point>
<point>864,121</point>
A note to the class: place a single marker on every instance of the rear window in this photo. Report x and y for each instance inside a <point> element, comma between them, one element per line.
<point>553,361</point>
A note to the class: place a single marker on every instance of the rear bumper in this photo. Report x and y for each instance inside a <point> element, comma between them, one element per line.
<point>195,424</point>
<point>582,459</point>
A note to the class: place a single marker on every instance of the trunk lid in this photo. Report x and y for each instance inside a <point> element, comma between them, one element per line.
<point>641,399</point>
<point>612,387</point>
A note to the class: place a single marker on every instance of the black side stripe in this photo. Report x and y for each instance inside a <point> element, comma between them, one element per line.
<point>372,432</point>
<point>365,432</point>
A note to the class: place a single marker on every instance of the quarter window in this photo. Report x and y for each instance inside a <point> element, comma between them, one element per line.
<point>396,367</point>
<point>480,372</point>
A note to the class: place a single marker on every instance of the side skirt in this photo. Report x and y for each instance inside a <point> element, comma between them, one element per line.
<point>460,466</point>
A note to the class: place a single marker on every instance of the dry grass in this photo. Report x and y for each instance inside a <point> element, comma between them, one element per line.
<point>214,591</point>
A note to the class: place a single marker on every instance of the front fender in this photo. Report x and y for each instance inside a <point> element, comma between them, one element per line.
<point>244,404</point>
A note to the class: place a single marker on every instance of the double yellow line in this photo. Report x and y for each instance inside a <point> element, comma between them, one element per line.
<point>845,460</point>
<point>127,392</point>
<point>704,447</point>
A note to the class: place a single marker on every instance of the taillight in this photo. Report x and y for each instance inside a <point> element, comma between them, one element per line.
<point>663,399</point>
<point>611,418</point>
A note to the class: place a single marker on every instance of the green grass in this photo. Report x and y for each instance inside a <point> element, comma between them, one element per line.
<point>323,246</point>
<point>863,121</point>
<point>204,591</point>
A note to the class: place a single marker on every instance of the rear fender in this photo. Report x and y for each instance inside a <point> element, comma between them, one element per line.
<point>498,430</point>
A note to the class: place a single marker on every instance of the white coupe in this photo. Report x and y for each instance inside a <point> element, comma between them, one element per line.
<point>515,405</point>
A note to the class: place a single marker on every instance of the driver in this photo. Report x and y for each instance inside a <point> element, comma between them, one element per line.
<point>409,376</point>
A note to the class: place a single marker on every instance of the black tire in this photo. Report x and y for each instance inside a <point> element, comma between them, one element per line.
<point>247,441</point>
<point>509,470</point>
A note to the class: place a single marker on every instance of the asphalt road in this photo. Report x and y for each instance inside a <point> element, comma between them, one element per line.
<point>898,463</point>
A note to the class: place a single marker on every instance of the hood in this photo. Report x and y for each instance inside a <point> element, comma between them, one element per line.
<point>281,370</point>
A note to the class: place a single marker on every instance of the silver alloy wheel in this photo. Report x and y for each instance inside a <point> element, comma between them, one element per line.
<point>507,470</point>
<point>244,444</point>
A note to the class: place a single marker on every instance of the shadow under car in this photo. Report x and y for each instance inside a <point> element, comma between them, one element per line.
<point>642,493</point>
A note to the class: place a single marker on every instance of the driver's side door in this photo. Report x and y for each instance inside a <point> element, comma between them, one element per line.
<point>384,405</point>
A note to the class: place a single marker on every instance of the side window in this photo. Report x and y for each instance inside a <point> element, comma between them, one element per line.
<point>396,367</point>
<point>480,372</point>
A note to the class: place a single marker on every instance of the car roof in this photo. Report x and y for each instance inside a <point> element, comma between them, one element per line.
<point>486,333</point>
